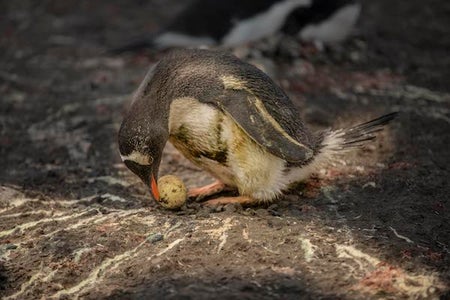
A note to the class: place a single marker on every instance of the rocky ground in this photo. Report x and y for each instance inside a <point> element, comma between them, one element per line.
<point>75,223</point>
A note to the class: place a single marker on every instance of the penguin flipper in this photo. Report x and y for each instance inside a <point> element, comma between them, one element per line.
<point>249,112</point>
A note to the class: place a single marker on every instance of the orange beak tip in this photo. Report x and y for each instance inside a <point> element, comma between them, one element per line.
<point>154,187</point>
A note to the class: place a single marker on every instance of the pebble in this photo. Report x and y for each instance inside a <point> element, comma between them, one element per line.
<point>155,237</point>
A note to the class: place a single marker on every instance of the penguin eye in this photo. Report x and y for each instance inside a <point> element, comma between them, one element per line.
<point>125,148</point>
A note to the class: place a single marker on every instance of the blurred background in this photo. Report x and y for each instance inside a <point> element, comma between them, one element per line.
<point>68,70</point>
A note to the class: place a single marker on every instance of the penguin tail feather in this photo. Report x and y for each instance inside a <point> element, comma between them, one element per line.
<point>335,141</point>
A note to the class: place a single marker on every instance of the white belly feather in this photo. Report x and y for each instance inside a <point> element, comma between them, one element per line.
<point>248,167</point>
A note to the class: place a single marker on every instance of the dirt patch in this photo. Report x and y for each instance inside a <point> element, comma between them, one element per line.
<point>75,223</point>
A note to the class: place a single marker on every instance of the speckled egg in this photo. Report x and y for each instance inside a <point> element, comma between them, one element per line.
<point>172,192</point>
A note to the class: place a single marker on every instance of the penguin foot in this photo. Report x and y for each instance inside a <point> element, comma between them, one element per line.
<point>207,190</point>
<point>243,200</point>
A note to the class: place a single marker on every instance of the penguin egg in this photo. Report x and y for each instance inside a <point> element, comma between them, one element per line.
<point>172,192</point>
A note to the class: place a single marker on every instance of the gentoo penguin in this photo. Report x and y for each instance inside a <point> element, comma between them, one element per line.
<point>232,120</point>
<point>324,21</point>
<point>231,23</point>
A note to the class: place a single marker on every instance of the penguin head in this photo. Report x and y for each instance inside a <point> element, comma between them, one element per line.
<point>144,132</point>
<point>141,151</point>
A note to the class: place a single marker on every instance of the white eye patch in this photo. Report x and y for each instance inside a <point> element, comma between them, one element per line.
<point>139,158</point>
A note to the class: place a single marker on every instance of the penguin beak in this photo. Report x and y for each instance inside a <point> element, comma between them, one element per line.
<point>154,188</point>
<point>147,174</point>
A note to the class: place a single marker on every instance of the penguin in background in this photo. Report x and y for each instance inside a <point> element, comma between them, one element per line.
<point>324,21</point>
<point>230,119</point>
<point>231,23</point>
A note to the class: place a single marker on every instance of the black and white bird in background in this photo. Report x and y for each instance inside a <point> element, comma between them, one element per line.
<point>231,23</point>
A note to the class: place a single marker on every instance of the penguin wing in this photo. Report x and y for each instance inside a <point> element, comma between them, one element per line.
<point>266,128</point>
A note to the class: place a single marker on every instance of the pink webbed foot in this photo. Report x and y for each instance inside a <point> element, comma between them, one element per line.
<point>207,190</point>
<point>243,200</point>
